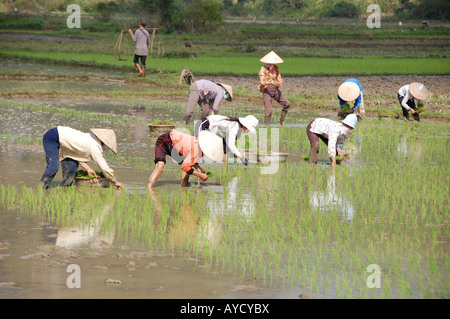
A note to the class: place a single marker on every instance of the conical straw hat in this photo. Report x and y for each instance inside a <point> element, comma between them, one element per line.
<point>107,136</point>
<point>349,91</point>
<point>211,145</point>
<point>229,90</point>
<point>418,90</point>
<point>271,58</point>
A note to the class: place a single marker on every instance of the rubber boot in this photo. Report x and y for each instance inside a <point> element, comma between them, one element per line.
<point>314,154</point>
<point>282,117</point>
<point>268,120</point>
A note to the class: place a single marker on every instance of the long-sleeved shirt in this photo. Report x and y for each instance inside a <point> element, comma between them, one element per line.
<point>218,123</point>
<point>141,39</point>
<point>336,133</point>
<point>83,147</point>
<point>187,145</point>
<point>358,99</point>
<point>268,76</point>
<point>404,91</point>
<point>212,92</point>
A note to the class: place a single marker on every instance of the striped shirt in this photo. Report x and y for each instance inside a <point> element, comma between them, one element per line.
<point>212,92</point>
<point>336,133</point>
<point>83,147</point>
<point>142,40</point>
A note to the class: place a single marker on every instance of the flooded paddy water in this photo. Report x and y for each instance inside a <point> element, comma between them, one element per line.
<point>298,231</point>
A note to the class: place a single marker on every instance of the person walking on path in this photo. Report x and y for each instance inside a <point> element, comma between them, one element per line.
<point>208,95</point>
<point>232,127</point>
<point>184,149</point>
<point>72,148</point>
<point>332,133</point>
<point>406,95</point>
<point>270,84</point>
<point>349,91</point>
<point>141,39</point>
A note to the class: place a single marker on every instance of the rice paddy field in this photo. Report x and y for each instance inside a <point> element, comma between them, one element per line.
<point>374,227</point>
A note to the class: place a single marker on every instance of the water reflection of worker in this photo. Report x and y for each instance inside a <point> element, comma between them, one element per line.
<point>76,236</point>
<point>270,84</point>
<point>406,95</point>
<point>332,133</point>
<point>349,91</point>
<point>182,227</point>
<point>72,147</point>
<point>329,199</point>
<point>208,95</point>
<point>232,127</point>
<point>184,149</point>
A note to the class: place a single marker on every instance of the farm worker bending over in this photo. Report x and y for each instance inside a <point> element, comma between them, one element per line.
<point>207,95</point>
<point>232,127</point>
<point>351,90</point>
<point>72,147</point>
<point>141,39</point>
<point>270,83</point>
<point>184,149</point>
<point>406,96</point>
<point>331,133</point>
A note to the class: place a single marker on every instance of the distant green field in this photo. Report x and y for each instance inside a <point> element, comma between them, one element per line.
<point>367,65</point>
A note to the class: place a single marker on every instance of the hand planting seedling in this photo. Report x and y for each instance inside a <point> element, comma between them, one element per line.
<point>84,174</point>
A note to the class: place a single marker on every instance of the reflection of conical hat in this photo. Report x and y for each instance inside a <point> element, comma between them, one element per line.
<point>418,90</point>
<point>349,91</point>
<point>271,58</point>
<point>229,90</point>
<point>211,145</point>
<point>107,136</point>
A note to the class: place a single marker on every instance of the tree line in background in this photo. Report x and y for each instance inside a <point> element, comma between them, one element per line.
<point>208,15</point>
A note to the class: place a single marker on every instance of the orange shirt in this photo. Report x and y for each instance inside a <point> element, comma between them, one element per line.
<point>269,77</point>
<point>187,145</point>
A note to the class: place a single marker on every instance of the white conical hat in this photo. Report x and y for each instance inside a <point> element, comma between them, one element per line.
<point>349,91</point>
<point>418,90</point>
<point>271,58</point>
<point>107,136</point>
<point>229,90</point>
<point>211,145</point>
<point>250,122</point>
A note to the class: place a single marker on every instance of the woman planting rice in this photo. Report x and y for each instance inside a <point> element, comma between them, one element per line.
<point>232,127</point>
<point>184,149</point>
<point>270,83</point>
<point>406,95</point>
<point>349,91</point>
<point>72,147</point>
<point>332,133</point>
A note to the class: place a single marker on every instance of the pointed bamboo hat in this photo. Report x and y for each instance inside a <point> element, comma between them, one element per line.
<point>349,91</point>
<point>418,90</point>
<point>107,136</point>
<point>229,90</point>
<point>271,58</point>
<point>211,145</point>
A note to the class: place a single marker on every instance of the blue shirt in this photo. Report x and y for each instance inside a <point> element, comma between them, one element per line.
<point>358,99</point>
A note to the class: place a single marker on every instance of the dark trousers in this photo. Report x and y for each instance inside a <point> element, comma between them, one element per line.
<point>51,148</point>
<point>411,104</point>
<point>143,58</point>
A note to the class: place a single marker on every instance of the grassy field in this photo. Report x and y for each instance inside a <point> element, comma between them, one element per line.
<point>249,66</point>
